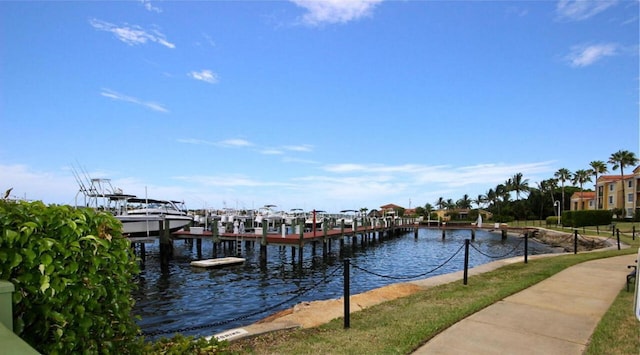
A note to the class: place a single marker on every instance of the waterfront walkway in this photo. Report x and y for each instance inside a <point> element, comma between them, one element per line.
<point>555,316</point>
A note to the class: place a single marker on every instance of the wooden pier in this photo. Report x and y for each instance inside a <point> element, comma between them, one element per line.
<point>370,231</point>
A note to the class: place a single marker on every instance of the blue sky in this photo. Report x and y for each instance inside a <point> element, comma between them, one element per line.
<point>312,104</point>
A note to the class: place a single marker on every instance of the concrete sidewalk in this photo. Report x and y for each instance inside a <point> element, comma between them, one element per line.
<point>555,316</point>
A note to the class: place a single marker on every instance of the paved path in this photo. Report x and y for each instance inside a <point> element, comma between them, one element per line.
<point>555,316</point>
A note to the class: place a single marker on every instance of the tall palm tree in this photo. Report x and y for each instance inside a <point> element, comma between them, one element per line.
<point>620,159</point>
<point>581,177</point>
<point>479,200</point>
<point>562,175</point>
<point>464,202</point>
<point>491,197</point>
<point>518,185</point>
<point>428,208</point>
<point>598,167</point>
<point>440,203</point>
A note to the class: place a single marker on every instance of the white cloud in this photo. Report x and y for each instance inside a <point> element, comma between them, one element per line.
<point>335,11</point>
<point>204,75</point>
<point>132,35</point>
<point>147,5</point>
<point>299,148</point>
<point>578,10</point>
<point>235,143</point>
<point>585,55</point>
<point>120,97</point>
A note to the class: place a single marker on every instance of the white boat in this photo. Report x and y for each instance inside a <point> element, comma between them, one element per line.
<point>141,216</point>
<point>349,217</point>
<point>315,219</point>
<point>294,216</point>
<point>267,217</point>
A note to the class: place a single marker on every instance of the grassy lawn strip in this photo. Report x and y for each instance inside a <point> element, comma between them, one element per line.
<point>619,331</point>
<point>400,326</point>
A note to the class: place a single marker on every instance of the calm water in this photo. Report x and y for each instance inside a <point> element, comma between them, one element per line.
<point>203,302</point>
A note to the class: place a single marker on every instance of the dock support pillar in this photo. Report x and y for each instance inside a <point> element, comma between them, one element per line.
<point>263,246</point>
<point>473,234</point>
<point>504,234</point>
<point>166,247</point>
<point>443,233</point>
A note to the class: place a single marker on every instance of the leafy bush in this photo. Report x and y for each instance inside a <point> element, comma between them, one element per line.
<point>72,271</point>
<point>552,221</point>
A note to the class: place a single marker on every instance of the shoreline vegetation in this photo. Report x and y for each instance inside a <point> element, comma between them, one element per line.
<point>403,324</point>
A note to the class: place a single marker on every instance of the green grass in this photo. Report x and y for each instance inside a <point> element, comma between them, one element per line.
<point>401,326</point>
<point>619,330</point>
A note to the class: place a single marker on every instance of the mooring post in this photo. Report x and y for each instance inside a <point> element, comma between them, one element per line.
<point>526,247</point>
<point>143,252</point>
<point>633,232</point>
<point>443,233</point>
<point>346,297</point>
<point>199,247</point>
<point>575,241</point>
<point>618,237</point>
<point>466,260</point>
<point>415,233</point>
<point>473,234</point>
<point>263,244</point>
<point>324,241</point>
<point>504,234</point>
<point>166,248</point>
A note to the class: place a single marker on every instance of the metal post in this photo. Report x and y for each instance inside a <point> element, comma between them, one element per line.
<point>526,248</point>
<point>347,306</point>
<point>466,260</point>
<point>575,241</point>
<point>618,237</point>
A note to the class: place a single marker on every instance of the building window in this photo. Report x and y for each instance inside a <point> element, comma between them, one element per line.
<point>630,198</point>
<point>610,187</point>
<point>590,203</point>
<point>630,183</point>
<point>611,200</point>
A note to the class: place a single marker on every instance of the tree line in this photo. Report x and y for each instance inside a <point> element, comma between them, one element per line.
<point>534,202</point>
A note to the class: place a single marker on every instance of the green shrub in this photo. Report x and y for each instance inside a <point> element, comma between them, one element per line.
<point>583,218</point>
<point>552,221</point>
<point>72,271</point>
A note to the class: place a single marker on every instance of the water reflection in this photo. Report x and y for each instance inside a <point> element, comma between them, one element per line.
<point>181,297</point>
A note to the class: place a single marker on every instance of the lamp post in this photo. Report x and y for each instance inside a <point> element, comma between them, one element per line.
<point>557,204</point>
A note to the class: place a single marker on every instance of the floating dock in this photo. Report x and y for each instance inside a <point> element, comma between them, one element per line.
<point>219,262</point>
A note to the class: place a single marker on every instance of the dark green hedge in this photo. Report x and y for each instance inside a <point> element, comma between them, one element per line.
<point>586,218</point>
<point>73,271</point>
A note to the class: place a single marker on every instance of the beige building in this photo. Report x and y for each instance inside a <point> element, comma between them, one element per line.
<point>609,192</point>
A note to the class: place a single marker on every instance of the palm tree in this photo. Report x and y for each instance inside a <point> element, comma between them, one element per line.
<point>580,177</point>
<point>562,175</point>
<point>518,185</point>
<point>620,159</point>
<point>479,200</point>
<point>464,202</point>
<point>598,167</point>
<point>440,203</point>
<point>428,208</point>
<point>491,197</point>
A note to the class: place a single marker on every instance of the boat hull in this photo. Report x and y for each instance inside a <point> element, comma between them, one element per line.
<point>142,226</point>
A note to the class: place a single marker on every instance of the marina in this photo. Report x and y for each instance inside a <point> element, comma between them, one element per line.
<point>202,302</point>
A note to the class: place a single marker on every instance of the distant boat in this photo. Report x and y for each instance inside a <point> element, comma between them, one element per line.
<point>349,217</point>
<point>315,219</point>
<point>294,216</point>
<point>479,221</point>
<point>267,217</point>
